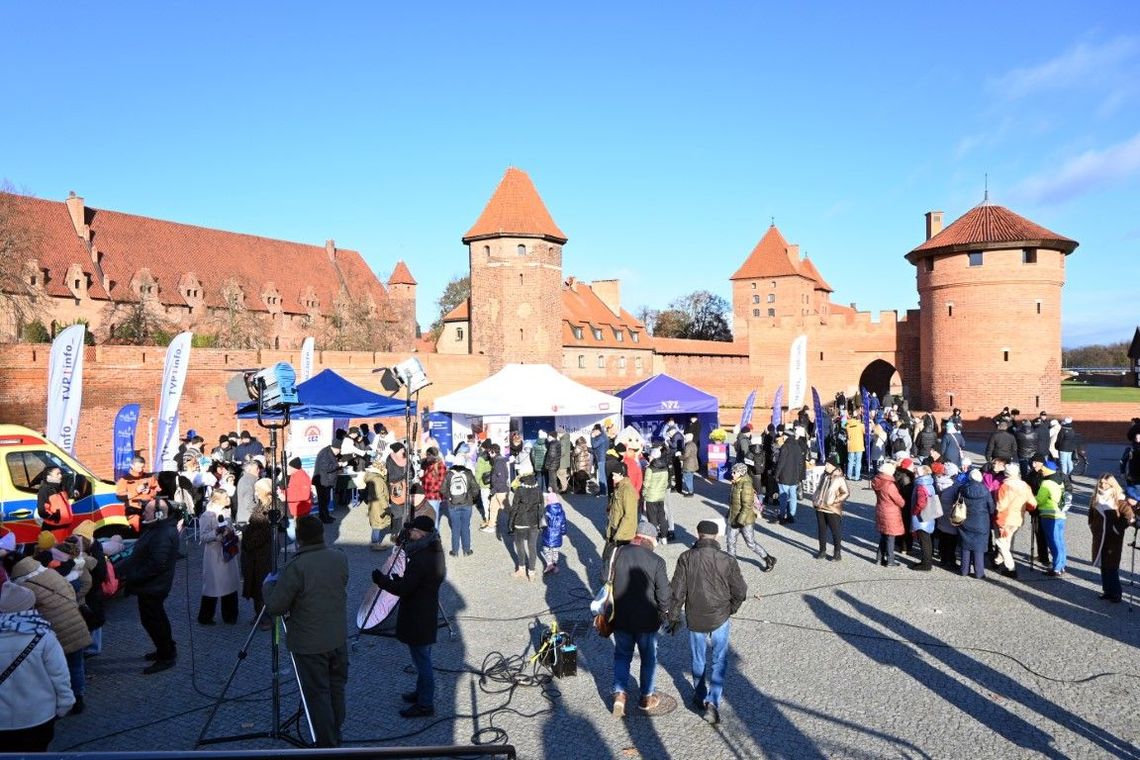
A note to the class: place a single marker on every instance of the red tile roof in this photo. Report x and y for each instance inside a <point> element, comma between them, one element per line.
<point>59,245</point>
<point>808,270</point>
<point>515,209</point>
<point>170,250</point>
<point>581,307</point>
<point>770,258</point>
<point>401,275</point>
<point>699,347</point>
<point>460,313</point>
<point>986,225</point>
<point>425,345</point>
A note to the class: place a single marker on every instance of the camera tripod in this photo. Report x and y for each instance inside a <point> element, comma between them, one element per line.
<point>278,729</point>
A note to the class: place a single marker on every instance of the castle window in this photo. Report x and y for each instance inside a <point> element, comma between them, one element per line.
<point>487,250</point>
<point>1038,307</point>
<point>601,362</point>
<point>1028,255</point>
<point>522,249</point>
<point>635,337</point>
<point>821,356</point>
<point>77,284</point>
<point>520,278</point>
<point>637,362</point>
<point>619,336</point>
<point>459,333</point>
<point>773,284</point>
<point>771,298</point>
<point>32,280</point>
<point>577,333</point>
<point>581,361</point>
<point>771,312</point>
<point>621,362</point>
<point>949,309</point>
<point>597,333</point>
<point>1005,355</point>
<point>755,299</point>
<point>754,286</point>
<point>520,334</point>
<point>951,400</point>
<point>975,258</point>
<point>755,312</point>
<point>930,264</point>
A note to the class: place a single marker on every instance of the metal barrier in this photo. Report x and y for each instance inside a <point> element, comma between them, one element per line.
<point>359,753</point>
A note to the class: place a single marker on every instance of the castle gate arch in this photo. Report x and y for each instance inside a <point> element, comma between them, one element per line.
<point>881,377</point>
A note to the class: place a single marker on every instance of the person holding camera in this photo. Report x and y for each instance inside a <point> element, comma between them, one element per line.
<point>221,568</point>
<point>149,575</point>
<point>416,624</point>
<point>313,590</point>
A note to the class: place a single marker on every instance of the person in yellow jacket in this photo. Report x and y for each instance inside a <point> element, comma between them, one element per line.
<point>856,445</point>
<point>1050,509</point>
<point>621,525</point>
<point>1014,499</point>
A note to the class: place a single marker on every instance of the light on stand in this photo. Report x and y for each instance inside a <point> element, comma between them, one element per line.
<point>410,375</point>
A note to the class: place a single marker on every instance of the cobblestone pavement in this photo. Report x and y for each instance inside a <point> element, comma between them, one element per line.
<point>834,659</point>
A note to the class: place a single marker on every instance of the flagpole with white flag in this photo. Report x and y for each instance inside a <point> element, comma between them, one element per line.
<point>307,358</point>
<point>797,374</point>
<point>65,387</point>
<point>173,379</point>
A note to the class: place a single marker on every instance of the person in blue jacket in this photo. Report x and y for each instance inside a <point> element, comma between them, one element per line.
<point>553,532</point>
<point>599,445</point>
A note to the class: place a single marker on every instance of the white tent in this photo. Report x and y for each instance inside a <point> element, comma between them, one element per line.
<point>529,390</point>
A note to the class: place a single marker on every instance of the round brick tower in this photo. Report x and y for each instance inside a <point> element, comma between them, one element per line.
<point>989,288</point>
<point>515,250</point>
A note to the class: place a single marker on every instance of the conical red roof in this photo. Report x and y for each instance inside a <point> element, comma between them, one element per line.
<point>401,275</point>
<point>515,209</point>
<point>770,258</point>
<point>808,269</point>
<point>987,224</point>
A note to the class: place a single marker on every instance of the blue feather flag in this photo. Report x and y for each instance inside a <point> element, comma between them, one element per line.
<point>819,443</point>
<point>778,407</point>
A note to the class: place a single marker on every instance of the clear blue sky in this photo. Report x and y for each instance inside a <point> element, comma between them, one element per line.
<point>662,138</point>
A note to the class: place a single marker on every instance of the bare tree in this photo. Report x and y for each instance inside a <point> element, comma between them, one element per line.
<point>21,296</point>
<point>232,324</point>
<point>356,325</point>
<point>456,292</point>
<point>138,322</point>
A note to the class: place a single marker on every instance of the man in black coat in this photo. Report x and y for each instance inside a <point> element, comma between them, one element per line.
<point>1026,444</point>
<point>707,583</point>
<point>149,575</point>
<point>552,461</point>
<point>1002,445</point>
<point>641,605</point>
<point>325,472</point>
<point>416,625</point>
<point>791,466</point>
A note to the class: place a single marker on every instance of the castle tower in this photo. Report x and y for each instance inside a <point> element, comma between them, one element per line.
<point>402,300</point>
<point>989,288</point>
<point>774,282</point>
<point>515,250</point>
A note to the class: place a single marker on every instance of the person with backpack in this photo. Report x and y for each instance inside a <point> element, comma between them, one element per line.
<point>459,487</point>
<point>925,511</point>
<point>552,533</point>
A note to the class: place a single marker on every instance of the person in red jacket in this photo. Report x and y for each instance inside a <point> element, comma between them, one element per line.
<point>52,504</point>
<point>888,517</point>
<point>299,490</point>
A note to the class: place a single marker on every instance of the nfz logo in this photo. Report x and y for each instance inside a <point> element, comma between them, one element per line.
<point>670,404</point>
<point>312,434</point>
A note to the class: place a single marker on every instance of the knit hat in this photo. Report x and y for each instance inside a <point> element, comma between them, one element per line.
<point>310,530</point>
<point>424,523</point>
<point>938,468</point>
<point>976,476</point>
<point>85,529</point>
<point>16,598</point>
<point>295,463</point>
<point>887,468</point>
<point>967,463</point>
<point>45,541</point>
<point>907,463</point>
<point>707,528</point>
<point>950,469</point>
<point>647,529</point>
<point>739,470</point>
<point>69,549</point>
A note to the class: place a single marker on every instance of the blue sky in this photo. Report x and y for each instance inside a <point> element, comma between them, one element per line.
<point>662,136</point>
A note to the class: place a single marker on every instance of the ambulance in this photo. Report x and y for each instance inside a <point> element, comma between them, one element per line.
<point>24,455</point>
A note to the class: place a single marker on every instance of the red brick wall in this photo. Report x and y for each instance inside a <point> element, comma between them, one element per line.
<point>117,375</point>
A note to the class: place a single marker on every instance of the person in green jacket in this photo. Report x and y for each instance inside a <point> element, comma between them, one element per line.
<point>653,490</point>
<point>1052,511</point>
<point>621,525</point>
<point>742,516</point>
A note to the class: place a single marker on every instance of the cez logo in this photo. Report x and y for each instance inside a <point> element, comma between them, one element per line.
<point>312,434</point>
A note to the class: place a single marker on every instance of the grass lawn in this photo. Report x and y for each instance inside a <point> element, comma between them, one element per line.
<point>1080,392</point>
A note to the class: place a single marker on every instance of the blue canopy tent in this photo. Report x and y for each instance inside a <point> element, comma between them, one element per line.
<point>327,395</point>
<point>648,404</point>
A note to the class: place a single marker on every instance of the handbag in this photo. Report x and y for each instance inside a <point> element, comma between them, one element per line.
<point>604,603</point>
<point>958,512</point>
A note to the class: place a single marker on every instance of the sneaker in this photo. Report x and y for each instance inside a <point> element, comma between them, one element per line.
<point>453,554</point>
<point>468,553</point>
<point>712,714</point>
<point>410,697</point>
<point>619,705</point>
<point>417,711</point>
<point>158,666</point>
<point>649,702</point>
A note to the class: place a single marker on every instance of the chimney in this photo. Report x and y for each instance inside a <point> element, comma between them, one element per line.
<point>794,252</point>
<point>330,249</point>
<point>609,292</point>
<point>572,283</point>
<point>76,209</point>
<point>933,223</point>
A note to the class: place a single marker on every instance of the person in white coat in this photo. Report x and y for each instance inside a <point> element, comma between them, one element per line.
<point>36,689</point>
<point>221,567</point>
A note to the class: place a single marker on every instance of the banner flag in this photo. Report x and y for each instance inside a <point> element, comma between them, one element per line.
<point>173,379</point>
<point>866,398</point>
<point>797,373</point>
<point>126,422</point>
<point>65,387</point>
<point>306,359</point>
<point>778,407</point>
<point>746,415</point>
<point>819,426</point>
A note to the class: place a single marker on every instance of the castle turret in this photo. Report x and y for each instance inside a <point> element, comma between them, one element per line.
<point>516,277</point>
<point>989,288</point>
<point>402,301</point>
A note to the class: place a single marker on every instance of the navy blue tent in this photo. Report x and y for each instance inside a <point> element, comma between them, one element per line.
<point>648,404</point>
<point>328,395</point>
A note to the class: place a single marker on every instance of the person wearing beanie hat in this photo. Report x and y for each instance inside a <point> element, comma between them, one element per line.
<point>416,619</point>
<point>313,590</point>
<point>742,512</point>
<point>1051,515</point>
<point>621,525</point>
<point>524,516</point>
<point>45,541</point>
<point>298,494</point>
<point>708,586</point>
<point>85,529</point>
<point>653,489</point>
<point>641,601</point>
<point>889,504</point>
<point>974,533</point>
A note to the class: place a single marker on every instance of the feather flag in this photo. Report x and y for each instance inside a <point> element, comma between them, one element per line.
<point>819,442</point>
<point>866,397</point>
<point>746,415</point>
<point>778,407</point>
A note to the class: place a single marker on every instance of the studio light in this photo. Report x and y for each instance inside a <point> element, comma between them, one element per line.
<point>274,388</point>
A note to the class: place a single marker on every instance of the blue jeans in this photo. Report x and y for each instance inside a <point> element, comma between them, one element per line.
<point>425,677</point>
<point>460,519</point>
<point>1066,462</point>
<point>623,658</point>
<point>97,641</point>
<point>708,675</point>
<point>435,507</point>
<point>789,500</point>
<point>854,465</point>
<point>1055,539</point>
<point>687,481</point>
<point>78,672</point>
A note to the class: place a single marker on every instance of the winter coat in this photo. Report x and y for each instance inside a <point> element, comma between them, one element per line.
<point>888,502</point>
<point>326,468</point>
<point>926,506</point>
<point>583,459</point>
<point>656,483</point>
<point>525,510</point>
<point>1002,445</point>
<point>1014,498</point>
<point>952,445</point>
<point>791,462</point>
<point>856,441</point>
<point>901,442</point>
<point>313,590</point>
<point>708,585</point>
<point>256,550</point>
<point>1130,464</point>
<point>219,577</point>
<point>565,451</point>
<point>53,507</point>
<point>244,499</point>
<point>55,602</point>
<point>974,533</point>
<point>947,488</point>
<point>1108,525</point>
<point>459,487</point>
<point>418,589</point>
<point>743,441</point>
<point>741,500</point>
<point>40,688</point>
<point>641,589</point>
<point>1067,439</point>
<point>1026,440</point>
<point>622,520</point>
<point>1049,495</point>
<point>553,458</point>
<point>1042,437</point>
<point>689,460</point>
<point>376,495</point>
<point>599,445</point>
<point>831,493</point>
<point>635,475</point>
<point>927,438</point>
<point>150,568</point>
<point>755,459</point>
<point>483,469</point>
<point>500,475</point>
<point>299,493</point>
<point>538,455</point>
<point>555,525</point>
